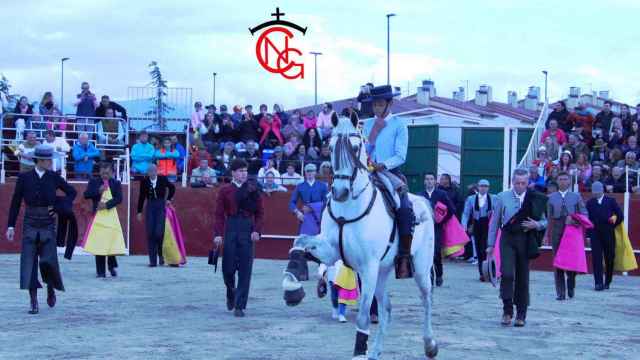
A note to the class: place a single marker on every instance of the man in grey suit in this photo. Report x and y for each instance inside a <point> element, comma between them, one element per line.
<point>477,211</point>
<point>562,204</point>
<point>515,226</point>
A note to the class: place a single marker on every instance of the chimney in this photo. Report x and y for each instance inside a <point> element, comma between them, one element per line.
<point>512,98</point>
<point>604,94</point>
<point>602,97</point>
<point>425,92</point>
<point>574,98</point>
<point>532,99</point>
<point>483,95</point>
<point>459,95</point>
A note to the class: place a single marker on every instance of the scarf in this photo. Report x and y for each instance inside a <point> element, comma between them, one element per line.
<point>378,125</point>
<point>477,203</point>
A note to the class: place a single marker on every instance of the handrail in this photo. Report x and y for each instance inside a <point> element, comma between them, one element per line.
<point>534,143</point>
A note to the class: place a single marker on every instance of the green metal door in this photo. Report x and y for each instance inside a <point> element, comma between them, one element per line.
<point>422,155</point>
<point>482,157</point>
<point>524,137</point>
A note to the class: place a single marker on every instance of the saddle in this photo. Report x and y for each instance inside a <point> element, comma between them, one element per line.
<point>388,184</point>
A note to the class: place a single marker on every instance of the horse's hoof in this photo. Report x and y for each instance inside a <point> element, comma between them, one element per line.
<point>431,349</point>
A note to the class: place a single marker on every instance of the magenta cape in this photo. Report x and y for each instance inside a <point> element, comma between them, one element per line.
<point>311,223</point>
<point>173,243</point>
<point>453,235</point>
<point>571,255</point>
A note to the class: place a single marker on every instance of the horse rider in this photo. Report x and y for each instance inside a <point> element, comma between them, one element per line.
<point>387,142</point>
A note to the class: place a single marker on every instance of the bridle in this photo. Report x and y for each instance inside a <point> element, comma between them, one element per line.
<point>354,159</point>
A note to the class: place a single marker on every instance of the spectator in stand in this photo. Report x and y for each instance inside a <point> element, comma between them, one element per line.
<point>197,121</point>
<point>310,120</point>
<point>300,155</point>
<point>272,182</point>
<point>325,154</point>
<point>86,105</point>
<point>583,168</point>
<point>281,114</point>
<point>600,151</point>
<point>616,136</point>
<point>142,154</point>
<point>155,142</point>
<point>111,130</point>
<point>636,116</point>
<point>625,117</point>
<point>47,107</point>
<point>223,111</point>
<point>210,137</point>
<point>236,117</point>
<point>26,150</point>
<point>635,129</point>
<point>596,175</point>
<point>553,176</point>
<point>60,149</point>
<point>543,162</point>
<point>166,160</point>
<point>630,161</point>
<point>324,124</point>
<point>271,136</point>
<point>536,182</point>
<point>22,122</point>
<point>295,126</point>
<point>203,175</point>
<point>605,116</point>
<point>248,112</point>
<point>278,159</point>
<point>632,146</point>
<point>615,156</point>
<point>262,113</point>
<point>555,133</point>
<point>105,104</point>
<point>326,171</point>
<point>269,166</point>
<point>84,154</point>
<point>312,143</point>
<point>582,121</point>
<point>553,149</point>
<point>227,130</point>
<point>575,146</point>
<point>182,152</point>
<point>196,156</point>
<point>226,158</point>
<point>291,177</point>
<point>253,158</point>
<point>565,163</point>
<point>248,129</point>
<point>561,115</point>
<point>616,182</point>
<point>292,144</point>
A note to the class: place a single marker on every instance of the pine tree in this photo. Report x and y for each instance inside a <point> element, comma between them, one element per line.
<point>159,107</point>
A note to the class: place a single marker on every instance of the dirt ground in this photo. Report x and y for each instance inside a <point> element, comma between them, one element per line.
<point>169,313</point>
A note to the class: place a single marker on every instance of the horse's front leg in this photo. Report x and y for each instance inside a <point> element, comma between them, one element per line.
<point>384,310</point>
<point>369,279</point>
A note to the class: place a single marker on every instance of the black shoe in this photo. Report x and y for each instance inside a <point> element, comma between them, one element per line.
<point>561,298</point>
<point>51,297</point>
<point>153,265</point>
<point>571,292</point>
<point>519,323</point>
<point>34,302</point>
<point>439,281</point>
<point>238,313</point>
<point>113,272</point>
<point>599,287</point>
<point>606,286</point>
<point>230,304</point>
<point>231,299</point>
<point>161,261</point>
<point>101,276</point>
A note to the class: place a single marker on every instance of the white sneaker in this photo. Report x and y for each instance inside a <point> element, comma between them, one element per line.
<point>342,319</point>
<point>334,314</point>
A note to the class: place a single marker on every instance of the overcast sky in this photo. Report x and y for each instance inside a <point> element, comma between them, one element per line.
<point>503,43</point>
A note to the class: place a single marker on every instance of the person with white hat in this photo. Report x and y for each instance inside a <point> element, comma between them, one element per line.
<point>478,209</point>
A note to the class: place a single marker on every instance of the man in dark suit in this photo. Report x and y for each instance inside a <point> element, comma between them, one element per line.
<point>157,191</point>
<point>37,188</point>
<point>95,188</point>
<point>605,214</point>
<point>238,220</point>
<point>435,196</point>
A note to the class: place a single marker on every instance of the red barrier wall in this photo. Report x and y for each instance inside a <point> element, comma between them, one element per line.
<point>195,210</point>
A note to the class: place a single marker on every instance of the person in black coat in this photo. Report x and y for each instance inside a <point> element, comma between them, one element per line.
<point>561,115</point>
<point>94,191</point>
<point>157,191</point>
<point>605,214</point>
<point>248,129</point>
<point>434,196</point>
<point>105,104</point>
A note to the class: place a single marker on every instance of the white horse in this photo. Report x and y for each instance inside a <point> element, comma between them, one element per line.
<point>366,246</point>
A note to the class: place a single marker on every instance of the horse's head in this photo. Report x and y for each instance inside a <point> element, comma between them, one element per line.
<point>348,156</point>
<point>312,248</point>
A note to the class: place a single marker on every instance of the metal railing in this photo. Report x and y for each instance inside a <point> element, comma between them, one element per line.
<point>534,143</point>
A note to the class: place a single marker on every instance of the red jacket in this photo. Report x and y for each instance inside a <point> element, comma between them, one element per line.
<point>274,126</point>
<point>560,136</point>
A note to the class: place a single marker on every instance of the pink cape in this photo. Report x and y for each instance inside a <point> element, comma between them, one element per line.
<point>453,235</point>
<point>571,255</point>
<point>172,218</point>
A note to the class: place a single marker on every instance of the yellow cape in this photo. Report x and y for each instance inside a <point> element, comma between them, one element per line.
<point>625,259</point>
<point>105,235</point>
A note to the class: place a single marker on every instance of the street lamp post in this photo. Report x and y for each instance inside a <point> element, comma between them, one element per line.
<point>62,84</point>
<point>546,93</point>
<point>388,47</point>
<point>315,80</point>
<point>214,88</point>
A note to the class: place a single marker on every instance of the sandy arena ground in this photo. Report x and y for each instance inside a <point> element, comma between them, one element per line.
<point>168,313</point>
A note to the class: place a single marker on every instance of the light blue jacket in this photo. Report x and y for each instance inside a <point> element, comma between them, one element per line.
<point>79,152</point>
<point>392,142</point>
<point>141,157</point>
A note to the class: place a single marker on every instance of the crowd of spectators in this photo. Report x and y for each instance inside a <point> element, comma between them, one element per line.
<point>589,148</point>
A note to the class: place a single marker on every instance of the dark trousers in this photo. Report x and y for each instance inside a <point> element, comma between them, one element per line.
<point>154,225</point>
<point>603,241</point>
<point>563,279</point>
<point>103,261</point>
<point>480,234</point>
<point>514,284</point>
<point>39,250</point>
<point>437,252</point>
<point>238,253</point>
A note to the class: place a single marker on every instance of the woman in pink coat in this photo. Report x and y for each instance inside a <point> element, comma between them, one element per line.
<point>271,136</point>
